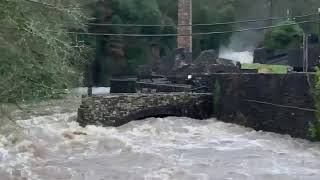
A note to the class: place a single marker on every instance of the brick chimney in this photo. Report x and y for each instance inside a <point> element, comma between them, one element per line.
<point>185,17</point>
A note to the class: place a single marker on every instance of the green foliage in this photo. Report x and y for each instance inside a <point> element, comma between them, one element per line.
<point>122,55</point>
<point>315,127</point>
<point>208,11</point>
<point>284,37</point>
<point>136,51</point>
<point>39,59</point>
<point>216,96</point>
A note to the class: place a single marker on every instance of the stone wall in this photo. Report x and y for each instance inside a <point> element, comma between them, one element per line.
<point>144,87</point>
<point>116,110</point>
<point>270,102</point>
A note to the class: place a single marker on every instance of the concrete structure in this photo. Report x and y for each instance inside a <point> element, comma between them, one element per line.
<point>119,109</point>
<point>281,103</point>
<point>185,18</point>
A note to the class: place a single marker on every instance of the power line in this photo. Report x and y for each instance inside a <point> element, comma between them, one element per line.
<point>204,24</point>
<point>174,25</point>
<point>280,105</point>
<point>193,34</point>
<point>174,35</point>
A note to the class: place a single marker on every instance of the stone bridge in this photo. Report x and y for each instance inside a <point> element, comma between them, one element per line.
<point>119,109</point>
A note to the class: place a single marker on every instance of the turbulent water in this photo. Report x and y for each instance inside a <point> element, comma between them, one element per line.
<point>50,145</point>
<point>244,57</point>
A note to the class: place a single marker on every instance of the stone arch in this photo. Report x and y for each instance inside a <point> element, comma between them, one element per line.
<point>156,112</point>
<point>183,110</point>
<point>161,111</point>
<point>119,109</point>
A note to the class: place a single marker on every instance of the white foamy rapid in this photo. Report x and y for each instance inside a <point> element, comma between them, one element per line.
<point>54,147</point>
<point>245,57</point>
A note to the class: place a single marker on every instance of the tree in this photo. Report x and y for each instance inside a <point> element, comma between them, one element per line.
<point>284,37</point>
<point>118,55</point>
<point>39,58</point>
<point>122,55</point>
<point>207,11</point>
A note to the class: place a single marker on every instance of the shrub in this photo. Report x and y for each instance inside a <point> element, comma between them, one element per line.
<point>284,37</point>
<point>39,58</point>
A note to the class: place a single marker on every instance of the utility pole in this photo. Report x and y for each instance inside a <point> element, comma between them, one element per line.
<point>185,18</point>
<point>270,4</point>
<point>305,64</point>
<point>318,22</point>
<point>288,14</point>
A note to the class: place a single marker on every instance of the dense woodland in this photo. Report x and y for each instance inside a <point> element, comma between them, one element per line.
<point>121,55</point>
<point>40,57</point>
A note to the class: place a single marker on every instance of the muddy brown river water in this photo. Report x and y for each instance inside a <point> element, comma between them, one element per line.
<point>50,145</point>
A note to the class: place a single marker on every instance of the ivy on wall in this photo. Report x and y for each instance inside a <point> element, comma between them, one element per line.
<point>216,96</point>
<point>315,127</point>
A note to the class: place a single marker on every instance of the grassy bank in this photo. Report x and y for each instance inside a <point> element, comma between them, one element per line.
<point>266,68</point>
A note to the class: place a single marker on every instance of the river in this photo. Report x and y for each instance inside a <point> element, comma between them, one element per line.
<point>47,144</point>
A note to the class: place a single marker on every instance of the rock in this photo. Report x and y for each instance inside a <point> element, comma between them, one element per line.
<point>178,59</point>
<point>68,135</point>
<point>80,133</point>
<point>227,62</point>
<point>207,57</point>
